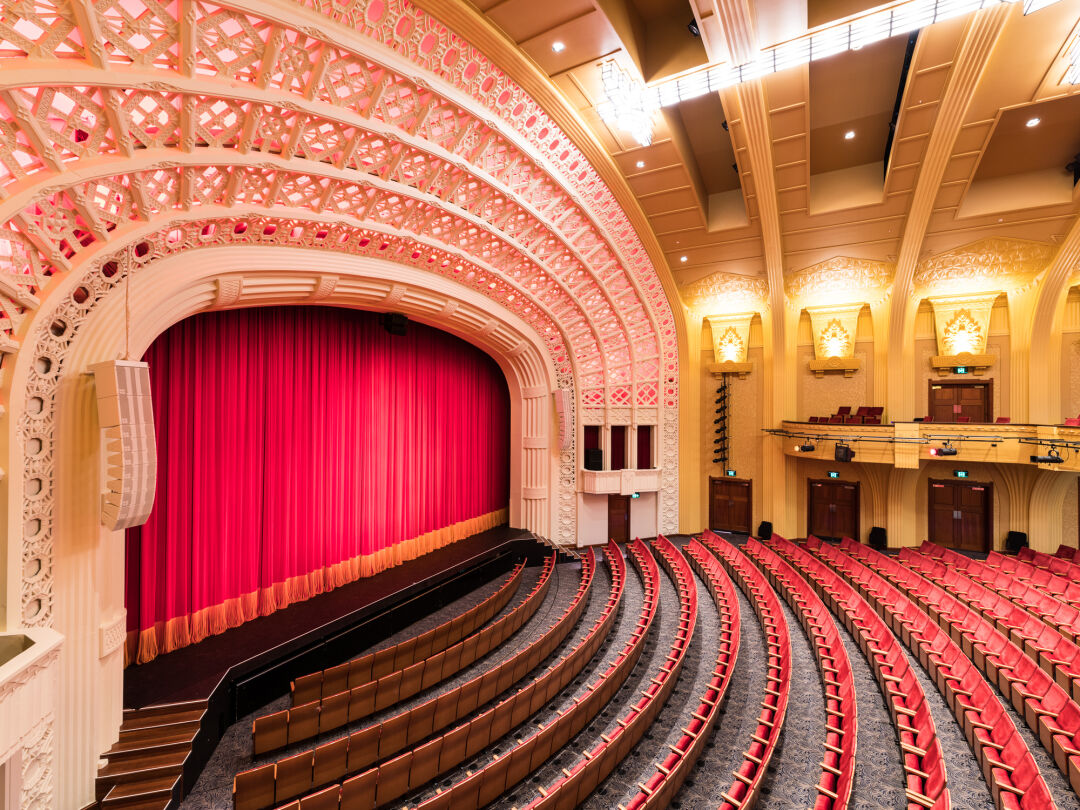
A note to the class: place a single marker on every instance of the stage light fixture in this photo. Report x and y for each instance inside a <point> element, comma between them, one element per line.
<point>1052,457</point>
<point>843,452</point>
<point>805,447</point>
<point>946,449</point>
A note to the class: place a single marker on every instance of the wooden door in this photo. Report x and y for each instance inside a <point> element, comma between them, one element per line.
<point>833,509</point>
<point>618,518</point>
<point>730,504</point>
<point>960,514</point>
<point>949,400</point>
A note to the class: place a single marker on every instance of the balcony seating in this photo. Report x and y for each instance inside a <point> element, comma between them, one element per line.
<point>1003,420</point>
<point>843,411</point>
<point>1006,761</point>
<point>924,766</point>
<point>317,717</point>
<point>838,765</point>
<point>1072,421</point>
<point>580,779</point>
<point>376,665</point>
<point>423,761</point>
<point>743,792</point>
<point>483,786</point>
<point>1067,552</point>
<point>1033,693</point>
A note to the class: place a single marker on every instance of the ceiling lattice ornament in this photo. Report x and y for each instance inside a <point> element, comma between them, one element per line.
<point>838,280</point>
<point>239,96</point>
<point>725,293</point>
<point>983,266</point>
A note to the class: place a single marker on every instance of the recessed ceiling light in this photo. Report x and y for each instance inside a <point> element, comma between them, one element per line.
<point>1033,122</point>
<point>558,47</point>
<point>640,164</point>
<point>682,258</point>
<point>849,135</point>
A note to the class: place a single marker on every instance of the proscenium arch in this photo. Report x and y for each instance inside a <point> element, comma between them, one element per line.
<point>85,562</point>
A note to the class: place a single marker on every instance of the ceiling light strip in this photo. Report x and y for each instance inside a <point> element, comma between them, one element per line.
<point>630,105</point>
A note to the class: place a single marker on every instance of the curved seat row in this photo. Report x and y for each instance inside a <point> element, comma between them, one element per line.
<point>841,708</point>
<point>308,720</point>
<point>1070,553</point>
<point>1053,564</point>
<point>743,792</point>
<point>1007,765</point>
<point>292,776</point>
<point>1041,642</point>
<point>483,786</point>
<point>375,665</point>
<point>926,783</point>
<point>1036,597</point>
<point>1033,693</point>
<point>579,780</point>
<point>998,565</point>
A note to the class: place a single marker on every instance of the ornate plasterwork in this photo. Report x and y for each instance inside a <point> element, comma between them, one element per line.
<point>963,334</point>
<point>838,280</point>
<point>962,323</point>
<point>725,292</point>
<point>988,263</point>
<point>729,346</point>
<point>54,335</point>
<point>38,776</point>
<point>834,340</point>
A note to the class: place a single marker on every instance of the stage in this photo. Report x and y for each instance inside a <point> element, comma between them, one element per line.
<point>246,667</point>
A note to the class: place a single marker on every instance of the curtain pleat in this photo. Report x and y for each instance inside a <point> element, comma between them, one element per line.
<point>300,448</point>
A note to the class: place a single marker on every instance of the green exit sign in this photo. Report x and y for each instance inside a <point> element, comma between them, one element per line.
<point>833,474</point>
<point>960,473</point>
<point>730,473</point>
<point>961,369</point>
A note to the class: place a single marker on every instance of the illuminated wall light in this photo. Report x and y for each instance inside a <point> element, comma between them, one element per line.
<point>1072,75</point>
<point>1032,122</point>
<point>627,103</point>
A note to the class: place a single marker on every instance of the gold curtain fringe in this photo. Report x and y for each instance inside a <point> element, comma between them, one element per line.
<point>164,637</point>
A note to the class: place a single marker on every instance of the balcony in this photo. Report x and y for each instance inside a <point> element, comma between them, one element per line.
<point>906,444</point>
<point>619,482</point>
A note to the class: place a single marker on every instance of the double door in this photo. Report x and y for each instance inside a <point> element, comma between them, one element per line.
<point>951,400</point>
<point>833,509</point>
<point>960,515</point>
<point>730,505</point>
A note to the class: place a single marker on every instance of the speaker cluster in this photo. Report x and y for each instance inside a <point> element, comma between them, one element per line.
<point>720,441</point>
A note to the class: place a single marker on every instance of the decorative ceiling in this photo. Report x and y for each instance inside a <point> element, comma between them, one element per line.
<point>120,113</point>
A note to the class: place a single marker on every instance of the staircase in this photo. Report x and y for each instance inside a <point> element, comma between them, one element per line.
<point>144,768</point>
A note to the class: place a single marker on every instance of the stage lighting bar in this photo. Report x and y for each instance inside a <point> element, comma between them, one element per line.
<point>630,105</point>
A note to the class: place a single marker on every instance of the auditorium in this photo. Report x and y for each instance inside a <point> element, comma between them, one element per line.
<point>459,404</point>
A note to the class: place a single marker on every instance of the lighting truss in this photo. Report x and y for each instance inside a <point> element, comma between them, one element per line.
<point>629,104</point>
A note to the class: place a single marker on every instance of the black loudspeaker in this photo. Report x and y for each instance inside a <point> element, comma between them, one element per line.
<point>594,459</point>
<point>395,323</point>
<point>1014,541</point>
<point>843,452</point>
<point>877,538</point>
<point>764,530</point>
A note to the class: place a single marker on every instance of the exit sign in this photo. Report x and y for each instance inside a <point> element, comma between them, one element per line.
<point>961,369</point>
<point>960,473</point>
<point>833,474</point>
<point>730,473</point>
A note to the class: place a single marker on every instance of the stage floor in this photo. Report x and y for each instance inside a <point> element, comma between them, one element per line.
<point>196,672</point>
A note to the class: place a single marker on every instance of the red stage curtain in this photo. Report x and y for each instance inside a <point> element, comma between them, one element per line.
<point>300,448</point>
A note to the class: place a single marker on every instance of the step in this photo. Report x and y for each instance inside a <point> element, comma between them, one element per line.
<point>140,766</point>
<point>165,709</point>
<point>157,720</point>
<point>165,742</point>
<point>143,794</point>
<point>152,733</point>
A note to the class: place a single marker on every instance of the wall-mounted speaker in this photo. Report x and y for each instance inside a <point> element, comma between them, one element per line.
<point>764,530</point>
<point>594,459</point>
<point>878,538</point>
<point>1014,541</point>
<point>126,416</point>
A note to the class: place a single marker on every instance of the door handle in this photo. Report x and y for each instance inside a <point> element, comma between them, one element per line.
<point>956,514</point>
